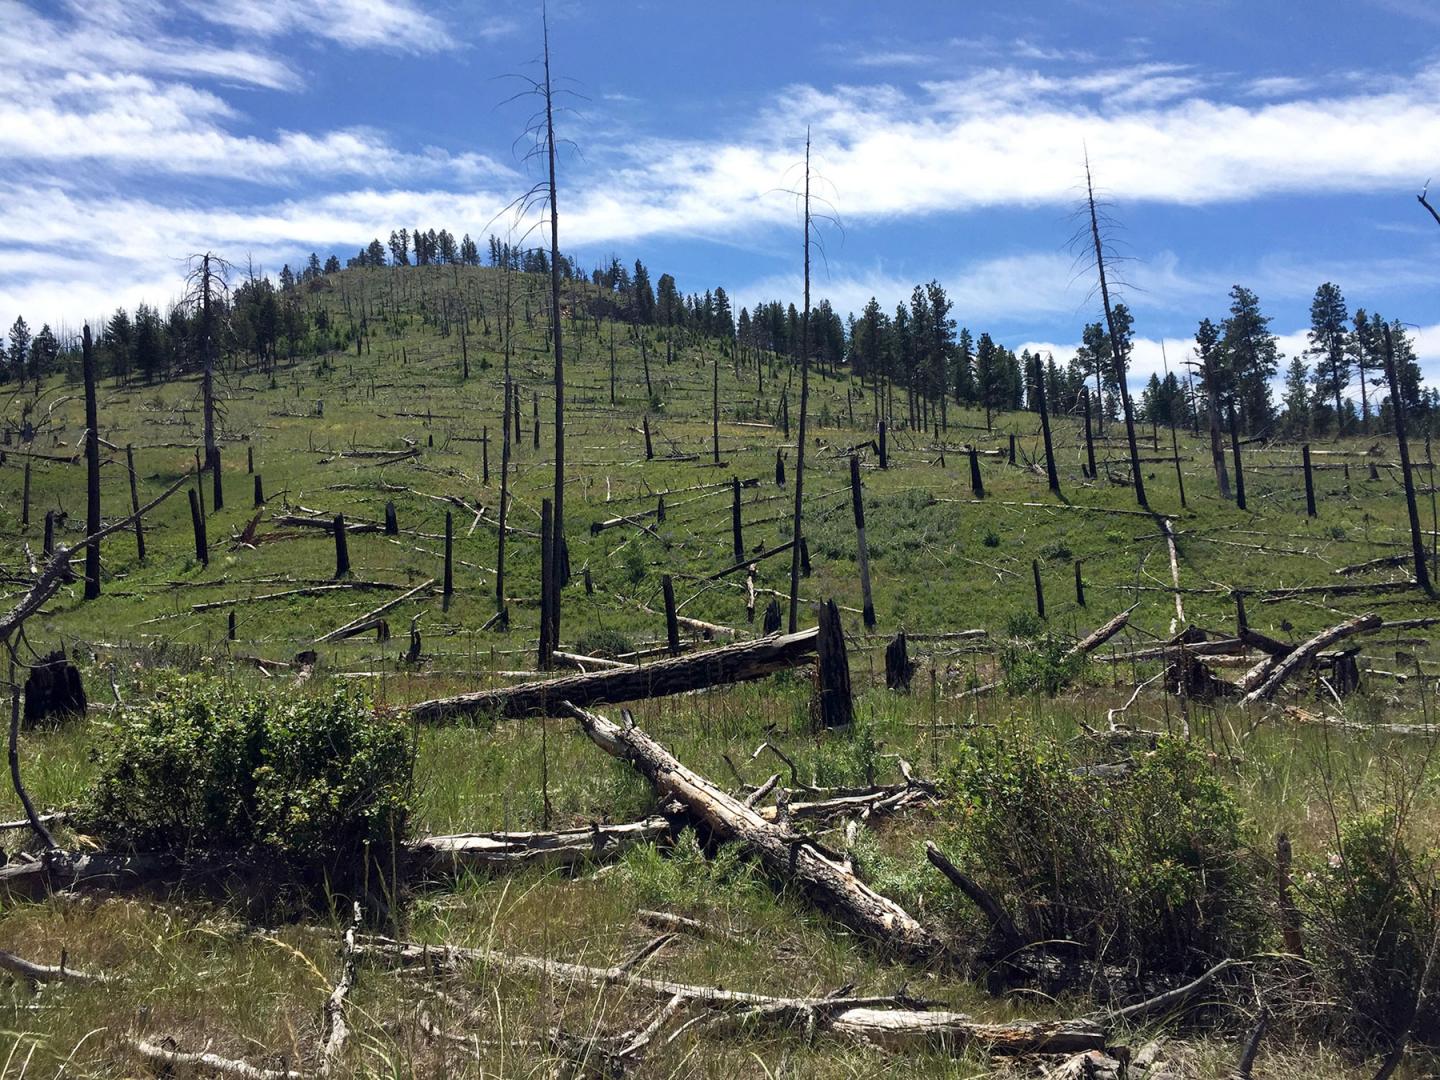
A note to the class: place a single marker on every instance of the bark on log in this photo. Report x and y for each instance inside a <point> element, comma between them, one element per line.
<point>714,667</point>
<point>784,853</point>
<point>1304,655</point>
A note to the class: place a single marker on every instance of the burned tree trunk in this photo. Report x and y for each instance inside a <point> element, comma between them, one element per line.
<point>899,668</point>
<point>835,705</point>
<point>804,410</point>
<point>92,470</point>
<point>862,547</point>
<point>1117,347</point>
<point>1397,405</point>
<point>741,662</point>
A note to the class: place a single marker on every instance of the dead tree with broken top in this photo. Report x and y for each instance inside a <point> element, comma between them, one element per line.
<point>542,198</point>
<point>1117,344</point>
<point>92,469</point>
<point>794,620</point>
<point>206,289</point>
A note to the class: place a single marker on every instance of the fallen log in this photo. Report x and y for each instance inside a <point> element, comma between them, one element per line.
<point>1281,669</point>
<point>715,667</point>
<point>892,1021</point>
<point>35,974</point>
<point>429,858</point>
<point>491,852</point>
<point>354,625</point>
<point>783,852</point>
<point>172,1059</point>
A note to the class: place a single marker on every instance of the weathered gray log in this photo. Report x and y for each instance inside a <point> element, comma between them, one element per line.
<point>443,856</point>
<point>429,858</point>
<point>205,1062</point>
<point>740,662</point>
<point>784,853</point>
<point>1304,655</point>
<point>35,974</point>
<point>891,1021</point>
<point>1008,937</point>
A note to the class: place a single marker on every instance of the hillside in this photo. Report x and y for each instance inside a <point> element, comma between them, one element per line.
<point>393,419</point>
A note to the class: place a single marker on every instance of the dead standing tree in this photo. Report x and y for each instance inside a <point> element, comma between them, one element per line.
<point>1117,344</point>
<point>92,470</point>
<point>207,286</point>
<point>542,199</point>
<point>1397,405</point>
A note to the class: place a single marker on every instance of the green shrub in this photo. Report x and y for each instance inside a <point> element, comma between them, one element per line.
<point>603,641</point>
<point>848,758</point>
<point>1370,913</point>
<point>685,877</point>
<point>214,767</point>
<point>1143,870</point>
<point>1034,659</point>
<point>634,562</point>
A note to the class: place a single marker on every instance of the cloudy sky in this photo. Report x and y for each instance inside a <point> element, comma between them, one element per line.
<point>1276,145</point>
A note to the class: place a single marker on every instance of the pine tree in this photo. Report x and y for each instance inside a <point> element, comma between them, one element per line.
<point>1248,350</point>
<point>1329,341</point>
<point>44,353</point>
<point>19,347</point>
<point>1297,397</point>
<point>964,367</point>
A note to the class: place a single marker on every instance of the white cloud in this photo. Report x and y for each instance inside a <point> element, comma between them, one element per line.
<point>113,37</point>
<point>385,24</point>
<point>132,121</point>
<point>1277,86</point>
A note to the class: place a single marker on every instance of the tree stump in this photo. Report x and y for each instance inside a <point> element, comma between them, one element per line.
<point>834,706</point>
<point>771,623</point>
<point>899,668</point>
<point>53,690</point>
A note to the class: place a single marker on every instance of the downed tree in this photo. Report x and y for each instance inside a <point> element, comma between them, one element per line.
<point>893,1021</point>
<point>566,848</point>
<point>714,667</point>
<point>1281,669</point>
<point>428,858</point>
<point>784,853</point>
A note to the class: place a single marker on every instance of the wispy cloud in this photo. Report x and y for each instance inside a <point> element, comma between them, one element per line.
<point>386,24</point>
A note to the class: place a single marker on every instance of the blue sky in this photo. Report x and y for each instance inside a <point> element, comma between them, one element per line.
<point>1276,145</point>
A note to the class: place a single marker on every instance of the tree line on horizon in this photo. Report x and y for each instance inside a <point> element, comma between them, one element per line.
<point>919,348</point>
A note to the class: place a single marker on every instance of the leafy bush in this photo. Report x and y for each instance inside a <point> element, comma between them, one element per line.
<point>1143,870</point>
<point>1034,659</point>
<point>846,759</point>
<point>603,641</point>
<point>211,766</point>
<point>1057,550</point>
<point>684,876</point>
<point>634,562</point>
<point>1370,915</point>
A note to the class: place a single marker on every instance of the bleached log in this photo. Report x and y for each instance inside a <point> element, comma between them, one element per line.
<point>784,853</point>
<point>890,1021</point>
<point>1304,655</point>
